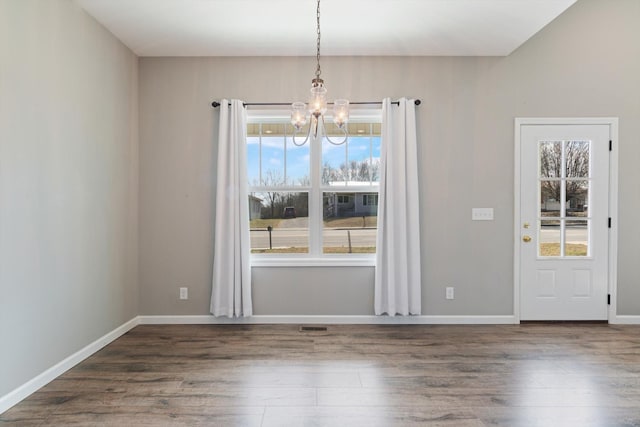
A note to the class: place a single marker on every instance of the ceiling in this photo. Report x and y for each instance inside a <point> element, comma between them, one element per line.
<point>349,27</point>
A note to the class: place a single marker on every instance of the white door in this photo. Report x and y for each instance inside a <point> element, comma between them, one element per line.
<point>564,221</point>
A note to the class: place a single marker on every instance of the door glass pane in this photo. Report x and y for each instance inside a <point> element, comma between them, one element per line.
<point>577,198</point>
<point>577,159</point>
<point>550,198</point>
<point>550,159</point>
<point>577,238</point>
<point>564,176</point>
<point>349,222</point>
<point>279,222</point>
<point>549,238</point>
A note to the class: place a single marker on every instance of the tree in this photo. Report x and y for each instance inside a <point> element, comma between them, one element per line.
<point>360,171</point>
<point>576,166</point>
<point>272,178</point>
<point>275,200</point>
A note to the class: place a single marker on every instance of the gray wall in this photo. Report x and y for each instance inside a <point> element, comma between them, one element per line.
<point>70,168</point>
<point>585,63</point>
<point>68,185</point>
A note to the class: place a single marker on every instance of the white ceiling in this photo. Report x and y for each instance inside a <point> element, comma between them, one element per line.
<point>349,27</point>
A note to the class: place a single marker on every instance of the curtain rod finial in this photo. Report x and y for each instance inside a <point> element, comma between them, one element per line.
<point>417,102</point>
<point>215,104</point>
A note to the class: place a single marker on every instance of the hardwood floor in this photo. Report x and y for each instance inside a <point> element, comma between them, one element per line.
<point>275,375</point>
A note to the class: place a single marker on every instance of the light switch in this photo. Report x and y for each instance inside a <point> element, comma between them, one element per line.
<point>482,214</point>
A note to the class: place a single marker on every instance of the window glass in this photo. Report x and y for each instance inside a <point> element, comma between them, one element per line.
<point>354,163</point>
<point>294,211</point>
<point>576,238</point>
<point>349,225</point>
<point>273,159</point>
<point>549,238</point>
<point>564,190</point>
<point>297,163</point>
<point>577,159</point>
<point>279,222</point>
<point>550,159</point>
<point>577,198</point>
<point>550,198</point>
<point>272,166</point>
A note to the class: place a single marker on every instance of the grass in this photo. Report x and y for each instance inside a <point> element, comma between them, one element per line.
<point>352,222</point>
<point>571,249</point>
<point>281,251</point>
<point>263,223</point>
<point>328,250</point>
<point>348,222</point>
<point>354,250</point>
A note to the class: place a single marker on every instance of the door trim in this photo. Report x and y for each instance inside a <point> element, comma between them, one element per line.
<point>612,275</point>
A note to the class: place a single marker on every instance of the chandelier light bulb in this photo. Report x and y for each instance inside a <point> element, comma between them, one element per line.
<point>298,115</point>
<point>318,100</point>
<point>340,112</point>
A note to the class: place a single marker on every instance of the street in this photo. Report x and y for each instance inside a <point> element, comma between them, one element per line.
<point>551,234</point>
<point>298,237</point>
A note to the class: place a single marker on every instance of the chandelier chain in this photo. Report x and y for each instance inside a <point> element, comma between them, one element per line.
<point>318,41</point>
<point>318,105</point>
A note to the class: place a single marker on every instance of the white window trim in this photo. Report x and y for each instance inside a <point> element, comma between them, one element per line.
<point>315,257</point>
<point>287,260</point>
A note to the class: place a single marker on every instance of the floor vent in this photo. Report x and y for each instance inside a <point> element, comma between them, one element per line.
<point>313,329</point>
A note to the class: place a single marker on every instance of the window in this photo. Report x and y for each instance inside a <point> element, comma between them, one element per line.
<point>318,201</point>
<point>564,181</point>
<point>370,199</point>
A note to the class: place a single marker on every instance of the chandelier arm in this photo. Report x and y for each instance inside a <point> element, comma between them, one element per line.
<point>326,135</point>
<point>346,136</point>
<point>300,144</point>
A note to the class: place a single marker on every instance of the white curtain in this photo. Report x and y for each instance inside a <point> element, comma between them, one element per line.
<point>397,274</point>
<point>231,287</point>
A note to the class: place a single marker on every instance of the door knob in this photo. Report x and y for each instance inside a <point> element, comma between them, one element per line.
<point>526,239</point>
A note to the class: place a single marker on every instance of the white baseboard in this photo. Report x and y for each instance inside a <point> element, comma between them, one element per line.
<point>625,320</point>
<point>22,392</point>
<point>333,320</point>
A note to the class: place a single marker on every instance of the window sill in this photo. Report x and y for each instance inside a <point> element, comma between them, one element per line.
<point>326,261</point>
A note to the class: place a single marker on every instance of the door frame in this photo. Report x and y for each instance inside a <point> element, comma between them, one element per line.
<point>612,275</point>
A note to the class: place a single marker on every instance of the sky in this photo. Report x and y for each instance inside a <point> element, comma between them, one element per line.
<point>357,148</point>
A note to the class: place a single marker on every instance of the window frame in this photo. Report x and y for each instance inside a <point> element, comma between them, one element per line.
<point>315,255</point>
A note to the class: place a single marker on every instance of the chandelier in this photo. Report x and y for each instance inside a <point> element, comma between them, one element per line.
<point>318,105</point>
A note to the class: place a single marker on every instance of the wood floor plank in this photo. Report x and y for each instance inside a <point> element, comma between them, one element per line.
<point>321,416</point>
<point>352,375</point>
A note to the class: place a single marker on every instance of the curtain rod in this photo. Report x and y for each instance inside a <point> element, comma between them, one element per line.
<point>216,104</point>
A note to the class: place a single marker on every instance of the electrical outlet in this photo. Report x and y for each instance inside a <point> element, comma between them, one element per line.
<point>184,293</point>
<point>449,292</point>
